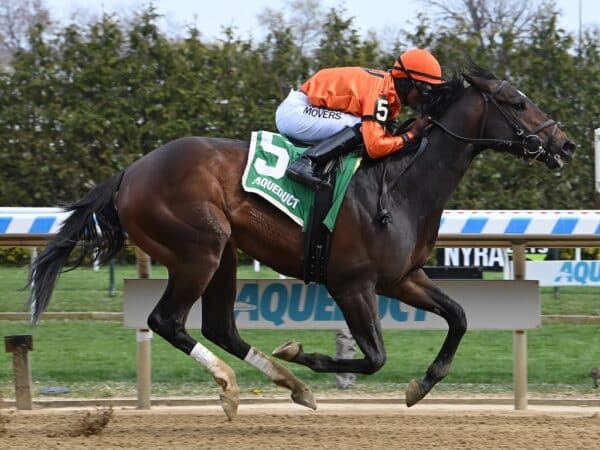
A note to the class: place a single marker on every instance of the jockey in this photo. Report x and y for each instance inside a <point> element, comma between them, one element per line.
<point>334,105</point>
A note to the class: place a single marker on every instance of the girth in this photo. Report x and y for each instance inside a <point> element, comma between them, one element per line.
<point>317,235</point>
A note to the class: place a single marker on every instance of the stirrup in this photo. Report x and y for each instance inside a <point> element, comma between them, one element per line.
<point>302,171</point>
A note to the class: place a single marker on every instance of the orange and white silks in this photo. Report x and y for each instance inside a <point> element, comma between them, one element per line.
<point>364,93</point>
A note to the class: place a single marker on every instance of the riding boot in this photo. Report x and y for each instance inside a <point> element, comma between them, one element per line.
<point>302,170</point>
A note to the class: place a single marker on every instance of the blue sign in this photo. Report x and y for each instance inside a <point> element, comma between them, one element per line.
<point>282,303</point>
<point>564,273</point>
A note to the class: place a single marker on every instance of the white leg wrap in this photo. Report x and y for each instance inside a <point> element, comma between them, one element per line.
<point>215,366</point>
<point>257,359</point>
<point>203,355</point>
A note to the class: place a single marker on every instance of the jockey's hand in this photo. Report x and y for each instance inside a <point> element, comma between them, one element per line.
<point>404,126</point>
<point>420,126</point>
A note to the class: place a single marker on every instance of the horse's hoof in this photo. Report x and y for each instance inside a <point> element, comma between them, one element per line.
<point>305,397</point>
<point>414,393</point>
<point>229,403</point>
<point>288,351</point>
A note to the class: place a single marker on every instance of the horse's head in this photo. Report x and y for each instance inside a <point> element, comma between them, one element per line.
<point>512,122</point>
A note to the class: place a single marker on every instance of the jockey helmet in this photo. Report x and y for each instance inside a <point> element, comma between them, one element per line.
<point>418,65</point>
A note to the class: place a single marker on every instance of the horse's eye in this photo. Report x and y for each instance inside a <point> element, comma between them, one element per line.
<point>519,106</point>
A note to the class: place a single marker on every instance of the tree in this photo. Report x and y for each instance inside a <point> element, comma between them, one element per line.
<point>303,21</point>
<point>81,102</point>
<point>492,24</point>
<point>16,18</point>
<point>341,44</point>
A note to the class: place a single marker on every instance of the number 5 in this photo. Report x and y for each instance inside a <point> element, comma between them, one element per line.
<point>277,170</point>
<point>381,109</point>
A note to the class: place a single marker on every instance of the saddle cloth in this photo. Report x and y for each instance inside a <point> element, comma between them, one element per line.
<point>268,157</point>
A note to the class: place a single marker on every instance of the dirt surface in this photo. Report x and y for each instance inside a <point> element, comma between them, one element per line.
<point>278,426</point>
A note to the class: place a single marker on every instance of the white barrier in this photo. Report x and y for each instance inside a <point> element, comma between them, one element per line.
<point>558,228</point>
<point>502,228</point>
<point>291,304</point>
<point>29,226</point>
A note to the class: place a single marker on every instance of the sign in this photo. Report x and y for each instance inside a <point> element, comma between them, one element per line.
<point>564,273</point>
<point>490,258</point>
<point>474,257</point>
<point>291,304</point>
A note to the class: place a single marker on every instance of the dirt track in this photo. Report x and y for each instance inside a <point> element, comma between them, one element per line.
<point>339,426</point>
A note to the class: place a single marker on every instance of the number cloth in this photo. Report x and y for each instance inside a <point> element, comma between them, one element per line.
<point>268,157</point>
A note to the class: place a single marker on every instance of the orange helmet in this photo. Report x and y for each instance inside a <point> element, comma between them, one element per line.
<point>419,65</point>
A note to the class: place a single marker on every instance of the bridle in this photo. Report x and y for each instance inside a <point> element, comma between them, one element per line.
<point>529,141</point>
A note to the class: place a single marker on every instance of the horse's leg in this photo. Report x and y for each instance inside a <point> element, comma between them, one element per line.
<point>218,325</point>
<point>168,320</point>
<point>361,313</point>
<point>192,254</point>
<point>417,290</point>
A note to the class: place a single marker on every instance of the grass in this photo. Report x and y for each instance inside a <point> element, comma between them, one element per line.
<point>98,359</point>
<point>94,357</point>
<point>571,300</point>
<point>85,289</point>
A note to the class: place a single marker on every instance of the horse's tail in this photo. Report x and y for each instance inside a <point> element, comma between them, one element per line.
<point>94,222</point>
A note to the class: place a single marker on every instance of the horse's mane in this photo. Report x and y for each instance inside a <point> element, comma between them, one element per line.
<point>472,69</point>
<point>444,95</point>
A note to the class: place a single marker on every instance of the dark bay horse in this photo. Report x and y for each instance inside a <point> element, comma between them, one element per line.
<point>183,204</point>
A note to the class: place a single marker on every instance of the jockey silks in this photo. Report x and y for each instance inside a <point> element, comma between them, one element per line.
<point>362,94</point>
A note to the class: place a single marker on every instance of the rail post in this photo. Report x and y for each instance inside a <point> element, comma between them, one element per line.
<point>144,342</point>
<point>112,285</point>
<point>519,336</point>
<point>144,377</point>
<point>19,346</point>
<point>144,268</point>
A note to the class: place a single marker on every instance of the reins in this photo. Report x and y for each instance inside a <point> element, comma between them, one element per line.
<point>383,215</point>
<point>530,142</point>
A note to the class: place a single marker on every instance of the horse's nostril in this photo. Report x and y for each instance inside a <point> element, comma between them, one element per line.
<point>569,146</point>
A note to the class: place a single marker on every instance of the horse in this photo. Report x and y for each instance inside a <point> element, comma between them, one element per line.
<point>183,204</point>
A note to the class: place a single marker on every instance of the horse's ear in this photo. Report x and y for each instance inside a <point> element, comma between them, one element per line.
<point>483,84</point>
<point>468,78</point>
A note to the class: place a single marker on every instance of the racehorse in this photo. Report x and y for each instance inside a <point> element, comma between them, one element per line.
<point>183,204</point>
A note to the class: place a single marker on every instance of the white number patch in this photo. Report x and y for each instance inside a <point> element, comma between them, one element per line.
<point>263,168</point>
<point>382,109</point>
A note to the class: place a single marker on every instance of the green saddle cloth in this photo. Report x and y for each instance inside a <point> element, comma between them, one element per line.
<point>268,158</point>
